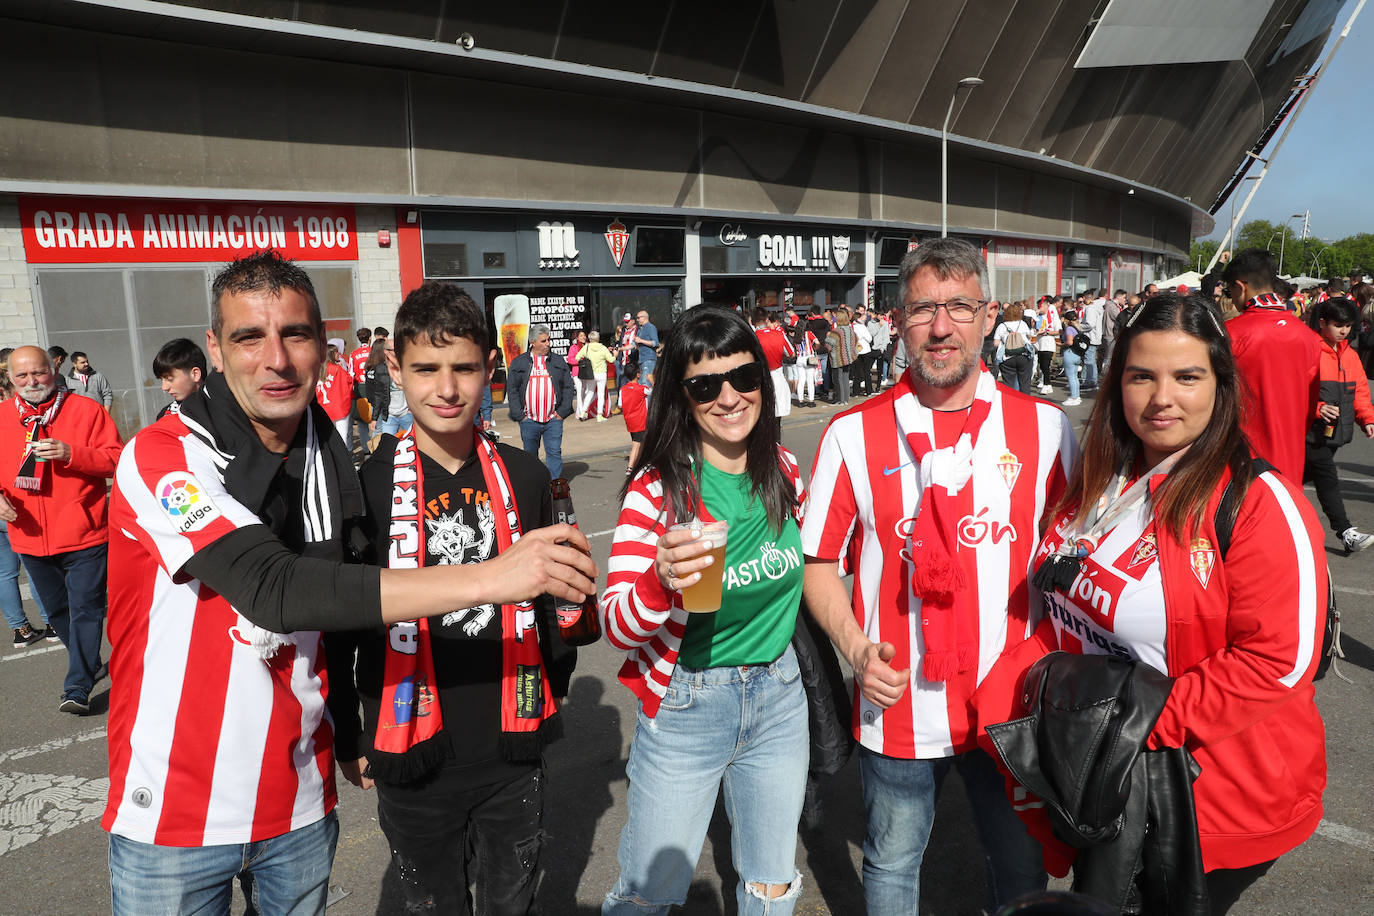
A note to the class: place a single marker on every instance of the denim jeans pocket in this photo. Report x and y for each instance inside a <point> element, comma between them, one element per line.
<point>786,669</point>
<point>679,695</point>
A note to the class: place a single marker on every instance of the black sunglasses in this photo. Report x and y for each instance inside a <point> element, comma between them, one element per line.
<point>706,388</point>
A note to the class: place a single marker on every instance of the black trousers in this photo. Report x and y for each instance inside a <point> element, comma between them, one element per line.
<point>1225,885</point>
<point>1321,470</point>
<point>1017,370</point>
<point>445,834</point>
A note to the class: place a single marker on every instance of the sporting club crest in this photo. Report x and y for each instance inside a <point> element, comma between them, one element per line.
<point>839,251</point>
<point>617,239</point>
<point>1202,558</point>
<point>1009,466</point>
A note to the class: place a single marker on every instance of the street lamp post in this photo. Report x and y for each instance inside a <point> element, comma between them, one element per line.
<point>968,82</point>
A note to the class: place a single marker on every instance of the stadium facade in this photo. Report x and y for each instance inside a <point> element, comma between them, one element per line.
<point>572,160</point>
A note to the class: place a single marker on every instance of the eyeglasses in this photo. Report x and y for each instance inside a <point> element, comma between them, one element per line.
<point>706,388</point>
<point>959,310</point>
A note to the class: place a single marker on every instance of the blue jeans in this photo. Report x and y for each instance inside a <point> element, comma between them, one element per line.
<point>11,602</point>
<point>552,435</point>
<point>71,587</point>
<point>747,726</point>
<point>287,875</point>
<point>395,425</point>
<point>1090,367</point>
<point>1071,363</point>
<point>900,796</point>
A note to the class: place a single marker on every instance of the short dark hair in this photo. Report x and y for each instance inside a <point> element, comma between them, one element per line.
<point>55,352</point>
<point>1336,310</point>
<point>758,316</point>
<point>265,271</point>
<point>631,370</point>
<point>179,353</point>
<point>1120,292</point>
<point>439,312</point>
<point>364,335</point>
<point>1255,267</point>
<point>79,354</point>
<point>379,331</point>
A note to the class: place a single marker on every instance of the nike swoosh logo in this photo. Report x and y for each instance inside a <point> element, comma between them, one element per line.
<point>888,472</point>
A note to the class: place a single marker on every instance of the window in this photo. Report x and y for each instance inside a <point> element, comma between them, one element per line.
<point>659,245</point>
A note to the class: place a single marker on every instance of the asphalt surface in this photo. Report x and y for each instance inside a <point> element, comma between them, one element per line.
<point>53,854</point>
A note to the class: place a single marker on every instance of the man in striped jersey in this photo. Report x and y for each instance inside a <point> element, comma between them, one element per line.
<point>539,390</point>
<point>930,493</point>
<point>229,524</point>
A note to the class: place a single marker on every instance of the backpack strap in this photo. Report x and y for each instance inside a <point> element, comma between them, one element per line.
<point>1227,508</point>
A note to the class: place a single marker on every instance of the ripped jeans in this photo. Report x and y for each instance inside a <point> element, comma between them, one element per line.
<point>446,833</point>
<point>745,726</point>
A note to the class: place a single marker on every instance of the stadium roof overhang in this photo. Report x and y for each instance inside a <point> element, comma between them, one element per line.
<point>192,26</point>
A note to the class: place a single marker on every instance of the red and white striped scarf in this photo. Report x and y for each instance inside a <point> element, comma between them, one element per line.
<point>410,715</point>
<point>37,418</point>
<point>1266,301</point>
<point>948,617</point>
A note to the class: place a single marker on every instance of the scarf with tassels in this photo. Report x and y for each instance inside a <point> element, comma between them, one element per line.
<point>37,418</point>
<point>410,721</point>
<point>949,626</point>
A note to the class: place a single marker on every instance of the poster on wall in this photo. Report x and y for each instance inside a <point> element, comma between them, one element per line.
<point>514,311</point>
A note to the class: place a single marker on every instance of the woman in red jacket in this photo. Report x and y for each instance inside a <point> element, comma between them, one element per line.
<point>1238,630</point>
<point>1343,404</point>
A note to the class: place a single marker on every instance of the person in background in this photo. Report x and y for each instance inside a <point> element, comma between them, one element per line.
<point>1073,351</point>
<point>334,392</point>
<point>180,365</point>
<point>634,405</point>
<point>880,329</point>
<point>990,348</point>
<point>808,366</point>
<point>720,694</point>
<point>1015,336</point>
<point>11,602</point>
<point>89,382</point>
<point>625,351</point>
<point>646,338</point>
<point>539,397</point>
<point>1343,404</point>
<point>596,359</point>
<point>840,340</point>
<point>820,327</point>
<point>56,452</point>
<point>861,370</point>
<point>777,348</point>
<point>1047,328</point>
<point>575,348</point>
<point>377,383</point>
<point>395,416</point>
<point>1278,357</point>
<point>1092,321</point>
<point>1238,630</point>
<point>357,369</point>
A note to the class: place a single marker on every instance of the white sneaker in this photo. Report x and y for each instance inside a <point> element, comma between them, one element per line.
<point>601,419</point>
<point>1073,402</point>
<point>1354,540</point>
<point>1045,389</point>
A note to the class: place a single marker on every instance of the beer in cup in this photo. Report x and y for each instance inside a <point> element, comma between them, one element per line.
<point>512,314</point>
<point>704,596</point>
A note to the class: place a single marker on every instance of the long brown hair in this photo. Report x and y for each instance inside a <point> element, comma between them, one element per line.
<point>1110,445</point>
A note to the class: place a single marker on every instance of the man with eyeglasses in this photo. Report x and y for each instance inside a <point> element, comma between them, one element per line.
<point>931,493</point>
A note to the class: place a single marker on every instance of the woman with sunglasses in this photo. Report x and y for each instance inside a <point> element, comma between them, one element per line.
<point>1146,576</point>
<point>720,694</point>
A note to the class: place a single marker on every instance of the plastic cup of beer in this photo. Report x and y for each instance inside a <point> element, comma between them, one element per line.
<point>704,596</point>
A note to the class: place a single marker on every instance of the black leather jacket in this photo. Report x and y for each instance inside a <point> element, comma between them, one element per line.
<point>1082,751</point>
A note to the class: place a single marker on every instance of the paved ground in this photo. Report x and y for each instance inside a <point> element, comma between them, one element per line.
<point>52,768</point>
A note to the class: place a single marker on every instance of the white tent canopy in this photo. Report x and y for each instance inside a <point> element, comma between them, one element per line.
<point>1192,279</point>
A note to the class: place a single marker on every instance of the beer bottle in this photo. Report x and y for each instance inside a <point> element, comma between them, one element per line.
<point>578,623</point>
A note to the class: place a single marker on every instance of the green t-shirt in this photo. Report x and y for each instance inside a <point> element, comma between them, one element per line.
<point>762,583</point>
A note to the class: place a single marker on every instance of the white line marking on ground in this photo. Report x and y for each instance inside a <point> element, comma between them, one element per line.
<point>28,652</point>
<point>38,805</point>
<point>55,744</point>
<point>1347,835</point>
<point>597,534</point>
<point>1351,590</point>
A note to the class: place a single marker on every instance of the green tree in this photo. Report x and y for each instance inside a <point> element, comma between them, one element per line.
<point>1201,251</point>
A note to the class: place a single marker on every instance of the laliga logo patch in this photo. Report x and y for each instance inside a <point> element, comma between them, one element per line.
<point>185,502</point>
<point>1202,558</point>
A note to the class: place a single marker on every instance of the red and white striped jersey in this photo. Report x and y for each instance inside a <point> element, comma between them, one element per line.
<point>208,742</point>
<point>357,363</point>
<point>541,402</point>
<point>865,495</point>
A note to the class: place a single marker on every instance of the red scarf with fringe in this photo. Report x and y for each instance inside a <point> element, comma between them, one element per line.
<point>410,713</point>
<point>36,418</point>
<point>948,623</point>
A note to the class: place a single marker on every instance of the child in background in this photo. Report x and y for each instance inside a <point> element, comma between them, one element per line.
<point>1343,404</point>
<point>634,404</point>
<point>180,364</point>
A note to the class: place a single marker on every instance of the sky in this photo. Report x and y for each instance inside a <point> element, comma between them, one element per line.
<point>1327,163</point>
